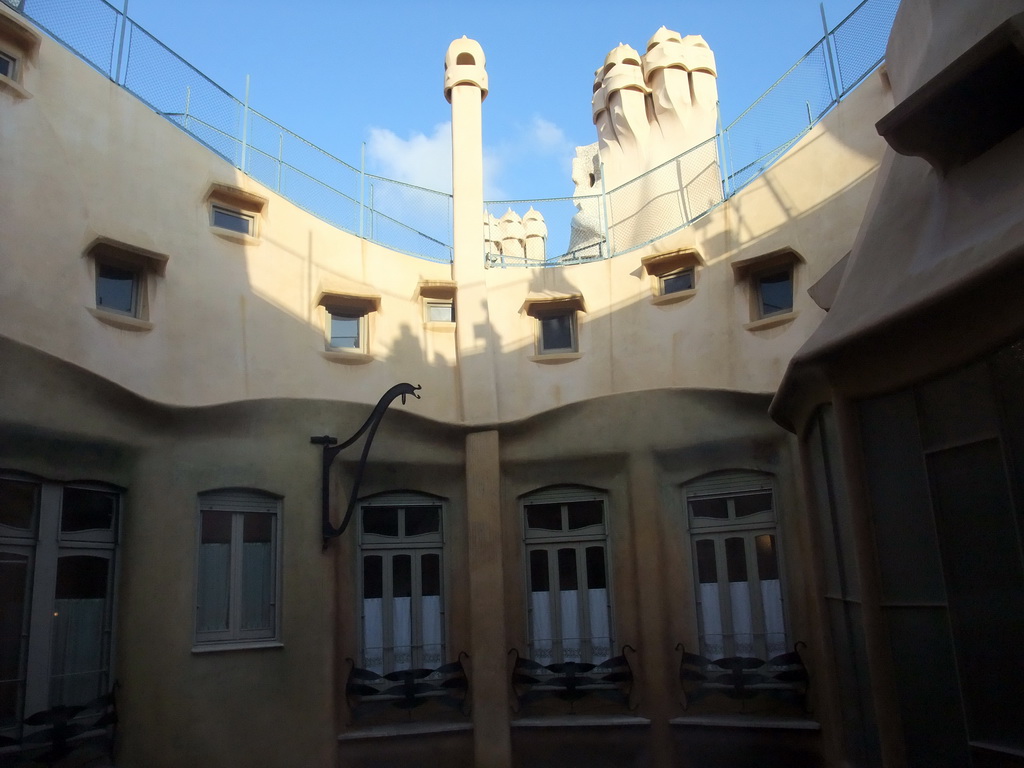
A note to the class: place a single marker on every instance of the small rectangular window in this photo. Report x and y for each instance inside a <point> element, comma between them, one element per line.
<point>236,221</point>
<point>557,332</point>
<point>346,331</point>
<point>677,282</point>
<point>440,311</point>
<point>775,292</point>
<point>7,65</point>
<point>117,289</point>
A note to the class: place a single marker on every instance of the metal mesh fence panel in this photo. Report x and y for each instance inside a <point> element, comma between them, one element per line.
<point>860,40</point>
<point>544,232</point>
<point>418,221</point>
<point>665,198</point>
<point>88,27</point>
<point>774,122</point>
<point>407,218</point>
<point>175,89</point>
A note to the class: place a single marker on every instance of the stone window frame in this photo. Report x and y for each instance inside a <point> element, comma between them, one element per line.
<point>749,272</point>
<point>541,308</point>
<point>19,44</point>
<point>239,502</point>
<point>665,265</point>
<point>355,305</point>
<point>144,264</point>
<point>239,203</point>
<point>437,293</point>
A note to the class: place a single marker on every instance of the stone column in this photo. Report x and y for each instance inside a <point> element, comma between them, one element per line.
<point>492,745</point>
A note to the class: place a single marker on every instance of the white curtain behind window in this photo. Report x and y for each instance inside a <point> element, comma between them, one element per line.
<point>402,638</point>
<point>373,634</point>
<point>711,621</point>
<point>742,619</point>
<point>540,618</point>
<point>77,653</point>
<point>433,650</point>
<point>571,631</point>
<point>600,625</point>
<point>774,627</point>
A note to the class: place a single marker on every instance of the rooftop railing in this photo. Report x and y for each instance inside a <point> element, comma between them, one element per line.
<point>418,221</point>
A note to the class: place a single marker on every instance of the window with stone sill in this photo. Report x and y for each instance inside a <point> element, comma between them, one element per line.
<point>124,279</point>
<point>401,541</point>
<point>238,577</point>
<point>567,576</point>
<point>739,593</point>
<point>235,213</point>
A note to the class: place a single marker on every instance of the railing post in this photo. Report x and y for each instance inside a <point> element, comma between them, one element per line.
<point>188,102</point>
<point>723,164</point>
<point>120,46</point>
<point>245,123</point>
<point>828,52</point>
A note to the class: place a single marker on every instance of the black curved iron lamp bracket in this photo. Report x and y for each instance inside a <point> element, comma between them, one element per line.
<point>332,448</point>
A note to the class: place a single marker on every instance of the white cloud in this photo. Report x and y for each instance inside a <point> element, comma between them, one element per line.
<point>548,137</point>
<point>425,161</point>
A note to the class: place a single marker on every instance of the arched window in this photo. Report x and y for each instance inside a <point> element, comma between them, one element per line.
<point>401,546</point>
<point>735,548</point>
<point>567,568</point>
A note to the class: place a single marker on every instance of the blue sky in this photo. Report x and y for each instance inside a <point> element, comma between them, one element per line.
<point>343,73</point>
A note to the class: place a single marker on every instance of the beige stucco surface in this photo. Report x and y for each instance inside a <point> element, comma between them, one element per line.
<point>226,387</point>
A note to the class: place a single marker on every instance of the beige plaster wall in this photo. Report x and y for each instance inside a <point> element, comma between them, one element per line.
<point>238,321</point>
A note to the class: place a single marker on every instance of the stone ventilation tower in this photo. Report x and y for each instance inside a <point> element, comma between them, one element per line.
<point>648,109</point>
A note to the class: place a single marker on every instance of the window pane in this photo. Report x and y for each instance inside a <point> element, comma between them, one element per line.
<point>714,508</point>
<point>18,504</point>
<point>115,288</point>
<point>78,654</point>
<point>584,513</point>
<point>257,571</point>
<point>440,312</point>
<point>382,521</point>
<point>373,576</point>
<point>707,572</point>
<point>430,575</point>
<point>539,571</point>
<point>83,510</point>
<point>544,517</point>
<point>752,504</point>
<point>677,281</point>
<point>401,574</point>
<point>767,563</point>
<point>6,66</point>
<point>556,331</point>
<point>345,331</point>
<point>236,222</point>
<point>776,292</point>
<point>421,520</point>
<point>735,559</point>
<point>596,576</point>
<point>14,595</point>
<point>567,576</point>
<point>214,571</point>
